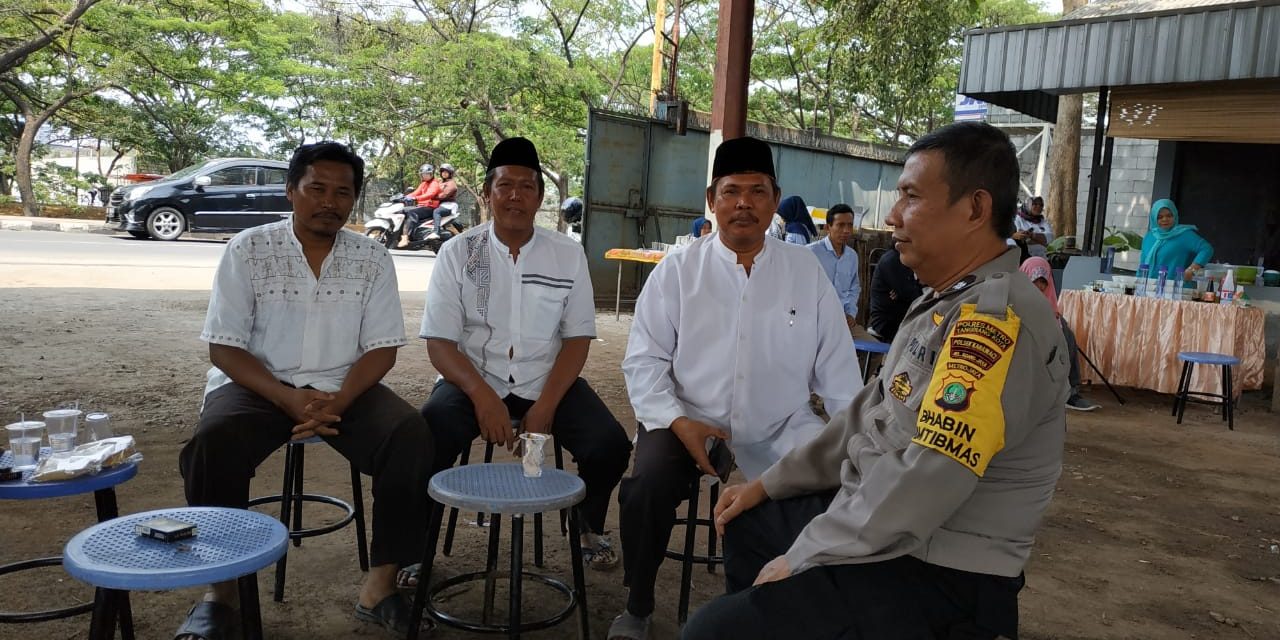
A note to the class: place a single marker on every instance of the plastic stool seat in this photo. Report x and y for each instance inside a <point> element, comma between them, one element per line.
<point>1215,359</point>
<point>502,488</point>
<point>229,543</point>
<point>871,346</point>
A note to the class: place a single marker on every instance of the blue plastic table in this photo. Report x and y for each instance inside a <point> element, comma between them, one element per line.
<point>102,485</point>
<point>499,489</point>
<point>1184,394</point>
<point>870,347</point>
<point>230,544</point>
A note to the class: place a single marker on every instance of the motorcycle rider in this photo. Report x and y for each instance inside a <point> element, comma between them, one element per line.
<point>571,213</point>
<point>447,197</point>
<point>427,197</point>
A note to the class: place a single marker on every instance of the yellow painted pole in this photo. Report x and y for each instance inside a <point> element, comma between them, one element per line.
<point>659,35</point>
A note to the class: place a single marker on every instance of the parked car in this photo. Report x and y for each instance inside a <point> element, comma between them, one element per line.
<point>224,195</point>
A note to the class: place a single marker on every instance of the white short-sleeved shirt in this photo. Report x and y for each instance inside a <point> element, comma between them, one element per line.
<point>307,331</point>
<point>510,317</point>
<point>1042,227</point>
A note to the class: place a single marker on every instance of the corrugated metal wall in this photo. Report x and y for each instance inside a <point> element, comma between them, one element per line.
<point>646,184</point>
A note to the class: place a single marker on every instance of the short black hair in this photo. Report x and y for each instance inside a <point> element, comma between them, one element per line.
<point>1038,200</point>
<point>978,156</point>
<point>309,154</point>
<point>493,173</point>
<point>838,209</point>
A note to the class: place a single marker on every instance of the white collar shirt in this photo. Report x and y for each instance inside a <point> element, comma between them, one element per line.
<point>306,331</point>
<point>740,353</point>
<point>510,317</point>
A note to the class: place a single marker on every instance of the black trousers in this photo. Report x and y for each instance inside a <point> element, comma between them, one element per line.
<point>583,425</point>
<point>663,475</point>
<point>899,599</point>
<point>380,433</point>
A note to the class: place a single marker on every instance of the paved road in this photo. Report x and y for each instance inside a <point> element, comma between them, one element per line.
<point>79,260</point>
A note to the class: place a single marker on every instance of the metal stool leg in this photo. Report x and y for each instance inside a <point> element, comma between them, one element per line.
<point>517,566</point>
<point>298,462</point>
<point>453,511</point>
<point>686,565</point>
<point>103,624</point>
<point>564,513</point>
<point>537,540</point>
<point>357,500</point>
<point>1182,391</point>
<point>1183,378</point>
<point>286,514</point>
<point>250,613</point>
<point>488,457</point>
<point>711,540</point>
<point>1229,401</point>
<point>579,579</point>
<point>424,574</point>
<point>490,568</point>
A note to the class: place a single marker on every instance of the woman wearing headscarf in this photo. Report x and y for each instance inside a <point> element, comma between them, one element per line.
<point>797,223</point>
<point>1031,229</point>
<point>1173,245</point>
<point>701,227</point>
<point>1041,275</point>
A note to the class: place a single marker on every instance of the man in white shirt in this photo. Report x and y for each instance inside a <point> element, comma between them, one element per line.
<point>304,321</point>
<point>731,335</point>
<point>509,319</point>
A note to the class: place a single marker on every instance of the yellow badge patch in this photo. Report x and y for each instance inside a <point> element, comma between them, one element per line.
<point>937,319</point>
<point>962,417</point>
<point>900,387</point>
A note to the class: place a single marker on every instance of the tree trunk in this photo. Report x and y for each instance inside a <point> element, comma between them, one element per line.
<point>561,181</point>
<point>22,167</point>
<point>1064,167</point>
<point>1064,157</point>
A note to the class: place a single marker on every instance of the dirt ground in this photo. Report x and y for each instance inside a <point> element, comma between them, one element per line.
<point>1157,531</point>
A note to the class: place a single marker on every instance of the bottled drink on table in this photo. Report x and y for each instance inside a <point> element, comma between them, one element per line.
<point>1140,289</point>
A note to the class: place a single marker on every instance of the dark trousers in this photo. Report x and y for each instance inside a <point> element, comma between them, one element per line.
<point>380,433</point>
<point>661,479</point>
<point>899,599</point>
<point>582,424</point>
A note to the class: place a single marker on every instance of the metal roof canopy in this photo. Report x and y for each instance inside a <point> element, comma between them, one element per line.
<point>1027,67</point>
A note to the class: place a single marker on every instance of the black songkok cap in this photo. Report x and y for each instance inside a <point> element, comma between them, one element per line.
<point>515,151</point>
<point>741,155</point>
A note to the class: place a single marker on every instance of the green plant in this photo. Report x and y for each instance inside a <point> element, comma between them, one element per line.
<point>1121,239</point>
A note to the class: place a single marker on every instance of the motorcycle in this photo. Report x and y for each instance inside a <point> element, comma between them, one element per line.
<point>387,225</point>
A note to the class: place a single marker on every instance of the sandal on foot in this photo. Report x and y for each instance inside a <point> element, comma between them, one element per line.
<point>393,614</point>
<point>600,555</point>
<point>629,627</point>
<point>209,621</point>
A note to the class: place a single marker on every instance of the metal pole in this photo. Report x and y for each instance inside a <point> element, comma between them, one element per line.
<point>1091,219</point>
<point>1044,155</point>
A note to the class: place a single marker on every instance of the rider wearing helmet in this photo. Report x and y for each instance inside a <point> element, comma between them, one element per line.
<point>446,198</point>
<point>571,212</point>
<point>427,197</point>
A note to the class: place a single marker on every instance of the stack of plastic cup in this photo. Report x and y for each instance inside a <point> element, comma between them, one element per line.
<point>63,426</point>
<point>97,426</point>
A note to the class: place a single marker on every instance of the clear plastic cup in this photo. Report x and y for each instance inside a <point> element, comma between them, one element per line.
<point>534,443</point>
<point>24,442</point>
<point>97,426</point>
<point>63,426</point>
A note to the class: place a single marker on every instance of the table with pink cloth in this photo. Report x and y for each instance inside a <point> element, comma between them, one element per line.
<point>1135,341</point>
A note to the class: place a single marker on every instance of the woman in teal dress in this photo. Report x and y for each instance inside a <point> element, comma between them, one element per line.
<point>1173,245</point>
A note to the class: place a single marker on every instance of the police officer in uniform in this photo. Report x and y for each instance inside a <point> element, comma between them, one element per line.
<point>912,514</point>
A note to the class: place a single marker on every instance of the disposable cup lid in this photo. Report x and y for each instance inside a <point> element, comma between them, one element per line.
<point>97,415</point>
<point>63,413</point>
<point>25,425</point>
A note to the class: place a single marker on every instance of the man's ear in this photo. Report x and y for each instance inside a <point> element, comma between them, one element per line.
<point>711,199</point>
<point>981,207</point>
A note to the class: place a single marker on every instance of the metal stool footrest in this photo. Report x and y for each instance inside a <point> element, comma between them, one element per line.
<point>571,603</point>
<point>696,558</point>
<point>40,616</point>
<point>299,534</point>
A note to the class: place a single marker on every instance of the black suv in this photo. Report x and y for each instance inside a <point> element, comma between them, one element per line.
<point>223,195</point>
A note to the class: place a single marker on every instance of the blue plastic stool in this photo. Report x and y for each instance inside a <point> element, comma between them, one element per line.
<point>102,485</point>
<point>292,497</point>
<point>499,489</point>
<point>869,347</point>
<point>230,544</point>
<point>537,517</point>
<point>1185,394</point>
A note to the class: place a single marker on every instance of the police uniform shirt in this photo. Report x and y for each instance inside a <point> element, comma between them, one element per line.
<point>509,317</point>
<point>953,453</point>
<point>740,352</point>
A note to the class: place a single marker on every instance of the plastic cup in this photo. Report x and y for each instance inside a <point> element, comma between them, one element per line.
<point>24,442</point>
<point>63,426</point>
<point>97,426</point>
<point>534,443</point>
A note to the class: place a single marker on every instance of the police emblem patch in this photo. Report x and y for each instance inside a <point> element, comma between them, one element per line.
<point>955,394</point>
<point>900,387</point>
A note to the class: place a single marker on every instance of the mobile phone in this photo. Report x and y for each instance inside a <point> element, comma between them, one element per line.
<point>722,460</point>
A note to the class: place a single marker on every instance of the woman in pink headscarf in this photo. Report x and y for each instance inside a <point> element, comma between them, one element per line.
<point>1041,275</point>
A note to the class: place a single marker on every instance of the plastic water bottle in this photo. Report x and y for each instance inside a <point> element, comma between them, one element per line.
<point>1173,290</point>
<point>1162,274</point>
<point>1140,290</point>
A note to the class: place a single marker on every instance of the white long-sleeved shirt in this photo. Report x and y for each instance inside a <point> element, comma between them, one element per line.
<point>740,353</point>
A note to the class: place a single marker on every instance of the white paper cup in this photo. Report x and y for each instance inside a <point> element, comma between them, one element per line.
<point>534,443</point>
